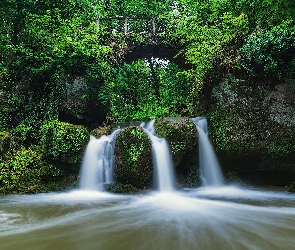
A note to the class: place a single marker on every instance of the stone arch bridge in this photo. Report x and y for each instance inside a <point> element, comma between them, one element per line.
<point>154,28</point>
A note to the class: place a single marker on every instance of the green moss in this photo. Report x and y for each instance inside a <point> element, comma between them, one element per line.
<point>120,188</point>
<point>98,132</point>
<point>280,140</point>
<point>180,134</point>
<point>63,143</point>
<point>242,122</point>
<point>133,158</point>
<point>5,139</point>
<point>25,171</point>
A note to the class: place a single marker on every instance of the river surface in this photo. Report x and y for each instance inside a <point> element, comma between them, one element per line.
<point>221,218</point>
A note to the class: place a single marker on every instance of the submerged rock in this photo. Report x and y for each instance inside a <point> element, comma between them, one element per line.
<point>120,188</point>
<point>292,187</point>
<point>233,178</point>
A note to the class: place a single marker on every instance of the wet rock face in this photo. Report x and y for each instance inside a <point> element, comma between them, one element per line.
<point>253,120</point>
<point>292,187</point>
<point>134,158</point>
<point>181,136</point>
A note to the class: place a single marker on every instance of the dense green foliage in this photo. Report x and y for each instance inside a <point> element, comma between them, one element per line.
<point>57,65</point>
<point>270,52</point>
<point>146,90</point>
<point>133,158</point>
<point>63,142</point>
<point>25,171</point>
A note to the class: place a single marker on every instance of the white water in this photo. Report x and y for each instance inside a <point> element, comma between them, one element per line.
<point>163,165</point>
<point>209,166</point>
<point>98,162</point>
<point>203,218</point>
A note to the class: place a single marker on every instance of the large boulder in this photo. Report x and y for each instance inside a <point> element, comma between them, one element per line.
<point>181,135</point>
<point>252,126</point>
<point>64,144</point>
<point>134,158</point>
<point>25,171</point>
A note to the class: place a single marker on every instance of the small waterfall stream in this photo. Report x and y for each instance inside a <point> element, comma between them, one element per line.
<point>210,169</point>
<point>163,165</point>
<point>98,162</point>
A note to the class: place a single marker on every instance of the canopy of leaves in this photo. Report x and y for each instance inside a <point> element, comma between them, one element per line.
<point>45,45</point>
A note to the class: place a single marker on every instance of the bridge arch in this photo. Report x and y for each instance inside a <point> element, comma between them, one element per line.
<point>152,28</point>
<point>161,51</point>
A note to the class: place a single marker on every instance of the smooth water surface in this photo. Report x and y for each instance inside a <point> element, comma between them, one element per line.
<point>219,218</point>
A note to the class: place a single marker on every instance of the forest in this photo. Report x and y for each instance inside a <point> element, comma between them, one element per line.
<point>70,67</point>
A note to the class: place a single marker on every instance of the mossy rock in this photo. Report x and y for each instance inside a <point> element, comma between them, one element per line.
<point>180,134</point>
<point>292,187</point>
<point>26,172</point>
<point>247,121</point>
<point>134,158</point>
<point>120,188</point>
<point>64,143</point>
<point>5,139</point>
<point>100,131</point>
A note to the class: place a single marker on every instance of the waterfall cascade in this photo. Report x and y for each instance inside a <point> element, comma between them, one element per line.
<point>210,169</point>
<point>163,165</point>
<point>98,162</point>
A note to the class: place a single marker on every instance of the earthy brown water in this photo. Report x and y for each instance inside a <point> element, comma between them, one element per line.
<point>224,218</point>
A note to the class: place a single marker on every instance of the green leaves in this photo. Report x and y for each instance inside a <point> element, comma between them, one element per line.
<point>146,90</point>
<point>270,52</point>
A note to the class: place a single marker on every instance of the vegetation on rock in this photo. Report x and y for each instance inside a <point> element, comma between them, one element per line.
<point>134,158</point>
<point>233,61</point>
<point>181,136</point>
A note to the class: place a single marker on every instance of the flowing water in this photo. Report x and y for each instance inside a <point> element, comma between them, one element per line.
<point>163,165</point>
<point>220,218</point>
<point>98,162</point>
<point>212,217</point>
<point>209,166</point>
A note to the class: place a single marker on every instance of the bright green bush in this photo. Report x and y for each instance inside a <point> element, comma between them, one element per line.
<point>63,142</point>
<point>25,171</point>
<point>270,52</point>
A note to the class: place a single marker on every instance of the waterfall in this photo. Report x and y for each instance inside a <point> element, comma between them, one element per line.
<point>98,162</point>
<point>163,165</point>
<point>210,169</point>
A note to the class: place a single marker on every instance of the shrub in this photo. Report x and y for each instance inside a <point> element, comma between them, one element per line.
<point>26,171</point>
<point>63,142</point>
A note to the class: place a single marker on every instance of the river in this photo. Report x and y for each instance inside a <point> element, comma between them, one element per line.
<point>203,218</point>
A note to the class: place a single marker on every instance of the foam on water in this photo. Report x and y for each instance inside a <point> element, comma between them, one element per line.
<point>197,218</point>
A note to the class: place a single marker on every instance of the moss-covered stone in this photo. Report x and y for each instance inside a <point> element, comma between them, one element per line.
<point>64,144</point>
<point>182,138</point>
<point>103,130</point>
<point>25,171</point>
<point>133,158</point>
<point>4,142</point>
<point>254,120</point>
<point>120,188</point>
<point>180,133</point>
